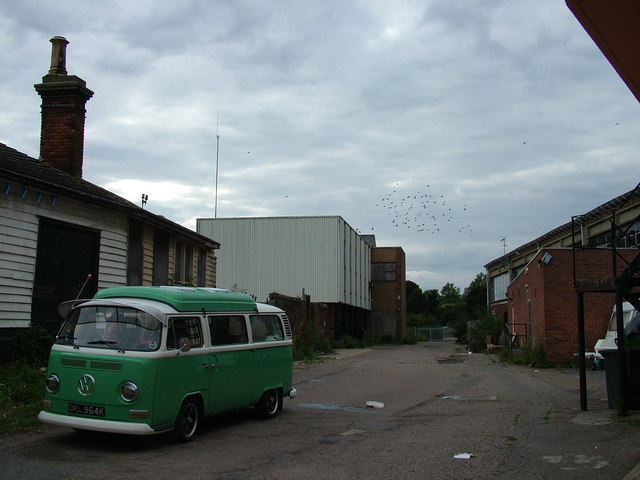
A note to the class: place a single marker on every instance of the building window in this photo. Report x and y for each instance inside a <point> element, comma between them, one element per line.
<point>628,236</point>
<point>517,270</point>
<point>383,272</point>
<point>498,287</point>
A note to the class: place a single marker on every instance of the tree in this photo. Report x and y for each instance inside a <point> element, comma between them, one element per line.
<point>450,294</point>
<point>416,301</point>
<point>475,296</point>
<point>433,301</point>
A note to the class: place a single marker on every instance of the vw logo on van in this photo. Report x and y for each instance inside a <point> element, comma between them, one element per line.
<point>86,385</point>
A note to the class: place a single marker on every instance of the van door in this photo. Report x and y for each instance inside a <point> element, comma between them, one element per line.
<point>181,372</point>
<point>232,384</point>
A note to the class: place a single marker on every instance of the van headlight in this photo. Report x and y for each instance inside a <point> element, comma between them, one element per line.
<point>52,384</point>
<point>129,391</point>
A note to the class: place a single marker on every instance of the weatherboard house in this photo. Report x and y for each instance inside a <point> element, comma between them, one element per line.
<point>64,237</point>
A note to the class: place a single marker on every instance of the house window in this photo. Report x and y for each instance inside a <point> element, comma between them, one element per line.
<point>183,264</point>
<point>498,287</point>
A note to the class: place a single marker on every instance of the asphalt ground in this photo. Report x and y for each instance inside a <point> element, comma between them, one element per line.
<point>436,413</point>
<point>513,421</point>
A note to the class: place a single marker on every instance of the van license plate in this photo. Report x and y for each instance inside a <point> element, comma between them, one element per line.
<point>85,410</point>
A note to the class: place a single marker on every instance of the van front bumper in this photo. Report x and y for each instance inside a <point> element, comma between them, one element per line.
<point>97,425</point>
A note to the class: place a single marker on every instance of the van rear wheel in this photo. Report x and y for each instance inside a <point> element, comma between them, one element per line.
<point>188,421</point>
<point>269,404</point>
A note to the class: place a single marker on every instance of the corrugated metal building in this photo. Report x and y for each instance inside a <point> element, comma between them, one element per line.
<point>322,257</point>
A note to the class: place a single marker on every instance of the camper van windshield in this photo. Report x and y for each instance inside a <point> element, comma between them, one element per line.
<point>118,328</point>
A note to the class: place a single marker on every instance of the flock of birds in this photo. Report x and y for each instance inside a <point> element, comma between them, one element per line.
<point>424,212</point>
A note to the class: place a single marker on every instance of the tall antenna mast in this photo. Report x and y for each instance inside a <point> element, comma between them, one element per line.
<point>215,208</point>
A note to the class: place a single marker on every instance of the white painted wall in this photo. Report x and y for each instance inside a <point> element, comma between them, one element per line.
<point>19,218</point>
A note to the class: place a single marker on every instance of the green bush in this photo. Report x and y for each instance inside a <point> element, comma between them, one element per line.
<point>33,346</point>
<point>476,336</point>
<point>21,393</point>
<point>347,341</point>
<point>309,344</point>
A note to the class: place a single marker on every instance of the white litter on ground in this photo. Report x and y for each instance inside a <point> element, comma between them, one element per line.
<point>464,456</point>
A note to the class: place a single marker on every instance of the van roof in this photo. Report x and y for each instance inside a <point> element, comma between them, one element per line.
<point>267,308</point>
<point>186,299</point>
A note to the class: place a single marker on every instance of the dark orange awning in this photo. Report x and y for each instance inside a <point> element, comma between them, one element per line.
<point>614,25</point>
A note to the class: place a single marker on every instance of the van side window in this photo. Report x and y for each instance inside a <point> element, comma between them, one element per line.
<point>180,327</point>
<point>266,328</point>
<point>228,329</point>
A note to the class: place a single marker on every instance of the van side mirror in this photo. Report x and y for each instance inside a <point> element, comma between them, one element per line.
<point>185,344</point>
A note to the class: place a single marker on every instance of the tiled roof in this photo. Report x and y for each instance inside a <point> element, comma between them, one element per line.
<point>23,168</point>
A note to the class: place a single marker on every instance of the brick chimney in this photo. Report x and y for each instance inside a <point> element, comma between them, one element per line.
<point>63,113</point>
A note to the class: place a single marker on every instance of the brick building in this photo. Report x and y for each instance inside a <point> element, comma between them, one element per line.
<point>533,288</point>
<point>388,292</point>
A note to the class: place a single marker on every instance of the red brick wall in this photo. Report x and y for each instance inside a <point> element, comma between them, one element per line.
<point>553,300</point>
<point>320,315</point>
<point>63,118</point>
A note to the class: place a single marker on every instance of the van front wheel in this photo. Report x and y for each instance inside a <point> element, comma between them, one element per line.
<point>188,421</point>
<point>269,404</point>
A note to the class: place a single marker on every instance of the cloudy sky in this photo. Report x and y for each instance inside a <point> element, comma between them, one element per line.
<point>440,126</point>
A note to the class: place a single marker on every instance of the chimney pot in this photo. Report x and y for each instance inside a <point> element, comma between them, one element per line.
<point>58,56</point>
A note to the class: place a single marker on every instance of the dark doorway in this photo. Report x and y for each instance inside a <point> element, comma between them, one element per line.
<point>202,268</point>
<point>66,256</point>
<point>160,257</point>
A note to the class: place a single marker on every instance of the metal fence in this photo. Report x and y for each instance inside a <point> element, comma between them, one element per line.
<point>434,334</point>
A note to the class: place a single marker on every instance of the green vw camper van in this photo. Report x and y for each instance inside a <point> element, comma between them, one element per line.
<point>147,360</point>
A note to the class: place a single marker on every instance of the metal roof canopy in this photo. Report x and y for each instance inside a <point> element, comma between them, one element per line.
<point>613,26</point>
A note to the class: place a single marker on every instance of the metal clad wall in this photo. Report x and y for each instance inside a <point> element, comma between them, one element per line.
<point>322,255</point>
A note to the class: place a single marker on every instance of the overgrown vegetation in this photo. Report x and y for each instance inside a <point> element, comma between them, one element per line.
<point>486,325</point>
<point>22,380</point>
<point>527,355</point>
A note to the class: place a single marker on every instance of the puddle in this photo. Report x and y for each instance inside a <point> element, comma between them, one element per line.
<point>345,408</point>
<point>470,398</point>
